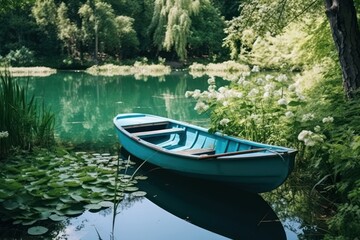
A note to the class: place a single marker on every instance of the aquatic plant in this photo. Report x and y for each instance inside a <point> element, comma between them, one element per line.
<point>43,187</point>
<point>25,123</point>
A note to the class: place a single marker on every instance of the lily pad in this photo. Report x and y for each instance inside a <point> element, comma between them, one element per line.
<point>37,230</point>
<point>131,189</point>
<point>106,204</point>
<point>10,205</point>
<point>141,177</point>
<point>93,206</point>
<point>138,194</point>
<point>57,218</point>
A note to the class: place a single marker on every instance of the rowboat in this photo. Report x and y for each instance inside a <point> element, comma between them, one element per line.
<point>193,151</point>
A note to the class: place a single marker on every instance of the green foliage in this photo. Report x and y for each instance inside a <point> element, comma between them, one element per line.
<point>54,186</point>
<point>171,23</point>
<point>68,32</point>
<point>206,33</point>
<point>262,17</point>
<point>20,117</point>
<point>255,106</point>
<point>20,57</point>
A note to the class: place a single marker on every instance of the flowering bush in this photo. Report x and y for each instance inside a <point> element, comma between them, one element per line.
<point>255,106</point>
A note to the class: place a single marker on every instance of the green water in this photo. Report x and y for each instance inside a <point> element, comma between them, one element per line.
<point>85,105</point>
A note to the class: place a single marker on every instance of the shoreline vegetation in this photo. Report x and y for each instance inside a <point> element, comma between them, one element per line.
<point>138,69</point>
<point>226,70</point>
<point>29,71</point>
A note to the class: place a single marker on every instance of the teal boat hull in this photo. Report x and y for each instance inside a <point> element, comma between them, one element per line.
<point>192,150</point>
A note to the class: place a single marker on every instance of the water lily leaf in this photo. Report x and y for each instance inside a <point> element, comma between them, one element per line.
<point>37,173</point>
<point>87,179</point>
<point>62,206</point>
<point>57,218</point>
<point>98,189</point>
<point>10,205</point>
<point>138,194</point>
<point>28,223</point>
<point>72,183</point>
<point>56,192</point>
<point>73,211</point>
<point>93,206</point>
<point>55,184</point>
<point>5,194</point>
<point>11,184</point>
<point>77,198</point>
<point>17,222</point>
<point>40,181</point>
<point>141,177</point>
<point>106,204</point>
<point>37,230</point>
<point>131,189</point>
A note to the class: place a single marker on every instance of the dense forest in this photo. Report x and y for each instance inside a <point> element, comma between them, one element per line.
<point>311,103</point>
<point>73,31</point>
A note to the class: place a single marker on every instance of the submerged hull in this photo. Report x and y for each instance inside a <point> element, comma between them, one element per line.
<point>193,151</point>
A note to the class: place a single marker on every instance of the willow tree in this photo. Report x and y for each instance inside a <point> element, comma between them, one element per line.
<point>170,25</point>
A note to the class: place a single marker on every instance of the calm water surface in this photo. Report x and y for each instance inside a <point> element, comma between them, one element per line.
<point>173,208</point>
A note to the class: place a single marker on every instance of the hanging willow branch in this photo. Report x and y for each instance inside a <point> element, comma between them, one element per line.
<point>171,24</point>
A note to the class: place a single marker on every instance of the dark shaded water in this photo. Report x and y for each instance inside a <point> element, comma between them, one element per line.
<point>174,207</point>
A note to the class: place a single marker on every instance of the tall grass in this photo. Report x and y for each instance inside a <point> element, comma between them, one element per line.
<point>26,123</point>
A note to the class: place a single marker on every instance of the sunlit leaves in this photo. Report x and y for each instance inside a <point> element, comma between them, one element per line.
<point>171,24</point>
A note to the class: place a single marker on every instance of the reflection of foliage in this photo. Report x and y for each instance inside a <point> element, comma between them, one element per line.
<point>56,186</point>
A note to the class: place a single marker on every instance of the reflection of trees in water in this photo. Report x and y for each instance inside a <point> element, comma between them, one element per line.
<point>85,105</point>
<point>299,207</point>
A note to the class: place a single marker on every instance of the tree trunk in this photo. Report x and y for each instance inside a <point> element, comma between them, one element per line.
<point>346,35</point>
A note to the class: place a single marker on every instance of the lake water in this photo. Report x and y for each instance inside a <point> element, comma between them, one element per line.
<point>174,207</point>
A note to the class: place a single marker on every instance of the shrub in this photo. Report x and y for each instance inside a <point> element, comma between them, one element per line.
<point>20,57</point>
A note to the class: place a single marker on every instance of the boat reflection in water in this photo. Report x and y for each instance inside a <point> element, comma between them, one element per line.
<point>219,208</point>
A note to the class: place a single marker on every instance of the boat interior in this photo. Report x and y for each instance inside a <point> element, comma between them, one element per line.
<point>188,140</point>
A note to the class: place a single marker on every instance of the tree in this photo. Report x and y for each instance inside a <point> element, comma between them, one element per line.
<point>207,32</point>
<point>67,30</point>
<point>345,31</point>
<point>272,17</point>
<point>170,25</point>
<point>126,35</point>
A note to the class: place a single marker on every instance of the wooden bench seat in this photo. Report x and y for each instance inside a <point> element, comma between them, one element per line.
<point>196,151</point>
<point>160,132</point>
<point>146,125</point>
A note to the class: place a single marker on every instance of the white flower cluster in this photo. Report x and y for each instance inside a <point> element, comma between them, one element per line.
<point>307,117</point>
<point>309,138</point>
<point>4,134</point>
<point>255,69</point>
<point>224,122</point>
<point>281,78</point>
<point>328,119</point>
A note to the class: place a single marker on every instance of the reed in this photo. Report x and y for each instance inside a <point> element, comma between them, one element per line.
<point>26,124</point>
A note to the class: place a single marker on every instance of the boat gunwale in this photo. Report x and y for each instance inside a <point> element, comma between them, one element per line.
<point>271,149</point>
